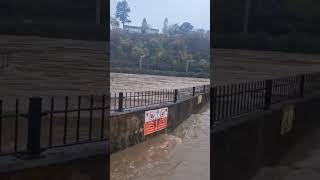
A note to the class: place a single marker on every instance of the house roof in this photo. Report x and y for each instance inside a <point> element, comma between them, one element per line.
<point>132,27</point>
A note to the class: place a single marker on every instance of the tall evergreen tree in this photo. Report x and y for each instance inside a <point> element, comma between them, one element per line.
<point>165,26</point>
<point>144,26</point>
<point>122,12</point>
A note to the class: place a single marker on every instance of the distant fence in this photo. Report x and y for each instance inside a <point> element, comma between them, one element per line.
<point>127,100</point>
<point>5,57</point>
<point>30,126</point>
<point>235,99</point>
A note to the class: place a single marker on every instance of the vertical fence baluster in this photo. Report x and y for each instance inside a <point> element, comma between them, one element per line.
<point>238,99</point>
<point>251,96</point>
<point>34,127</point>
<point>145,98</point>
<point>163,97</point>
<point>255,95</point>
<point>78,118</point>
<point>125,101</point>
<point>130,99</point>
<point>102,117</point>
<point>51,120</point>
<point>233,102</point>
<point>262,94</point>
<point>227,100</point>
<point>214,96</point>
<point>90,118</point>
<point>16,125</point>
<point>120,108</point>
<point>242,97</point>
<point>219,104</point>
<point>175,95</point>
<point>302,79</point>
<point>65,120</point>
<point>223,101</point>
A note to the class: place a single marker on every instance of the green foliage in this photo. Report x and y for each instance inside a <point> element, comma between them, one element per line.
<point>122,11</point>
<point>185,28</point>
<point>114,23</point>
<point>165,26</point>
<point>144,26</point>
<point>162,52</point>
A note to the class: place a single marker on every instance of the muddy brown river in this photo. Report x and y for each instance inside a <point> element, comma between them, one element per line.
<point>141,82</point>
<point>181,154</point>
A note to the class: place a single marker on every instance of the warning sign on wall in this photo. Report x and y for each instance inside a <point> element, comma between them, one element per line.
<point>155,120</point>
<point>287,119</point>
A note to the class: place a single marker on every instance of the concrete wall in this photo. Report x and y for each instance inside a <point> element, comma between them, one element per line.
<point>127,128</point>
<point>79,162</point>
<point>243,144</point>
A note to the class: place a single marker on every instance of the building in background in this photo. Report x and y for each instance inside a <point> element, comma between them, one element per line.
<point>138,29</point>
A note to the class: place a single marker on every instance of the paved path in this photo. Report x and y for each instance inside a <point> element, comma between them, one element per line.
<point>301,163</point>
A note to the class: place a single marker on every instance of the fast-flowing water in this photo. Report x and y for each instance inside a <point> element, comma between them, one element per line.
<point>181,154</point>
<point>142,82</point>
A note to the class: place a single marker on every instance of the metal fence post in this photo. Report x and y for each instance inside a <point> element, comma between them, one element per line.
<point>213,112</point>
<point>120,108</point>
<point>175,95</point>
<point>204,88</point>
<point>302,78</point>
<point>193,91</point>
<point>34,127</point>
<point>268,94</point>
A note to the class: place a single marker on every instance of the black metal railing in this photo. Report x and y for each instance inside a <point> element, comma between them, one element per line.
<point>126,100</point>
<point>236,99</point>
<point>52,122</point>
<point>29,126</point>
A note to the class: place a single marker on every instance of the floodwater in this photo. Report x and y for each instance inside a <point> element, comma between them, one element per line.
<point>141,82</point>
<point>181,154</point>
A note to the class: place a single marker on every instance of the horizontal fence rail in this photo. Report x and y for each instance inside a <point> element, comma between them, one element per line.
<point>232,100</point>
<point>126,100</point>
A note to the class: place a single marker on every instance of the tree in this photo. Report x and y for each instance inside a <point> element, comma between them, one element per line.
<point>165,26</point>
<point>144,26</point>
<point>173,29</point>
<point>185,28</point>
<point>114,23</point>
<point>122,11</point>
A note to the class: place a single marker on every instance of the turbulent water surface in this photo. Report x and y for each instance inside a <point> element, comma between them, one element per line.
<point>142,82</point>
<point>181,154</point>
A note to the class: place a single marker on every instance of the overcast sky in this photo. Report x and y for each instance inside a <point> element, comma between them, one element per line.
<point>197,12</point>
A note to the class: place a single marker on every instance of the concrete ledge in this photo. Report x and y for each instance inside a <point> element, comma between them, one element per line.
<point>86,160</point>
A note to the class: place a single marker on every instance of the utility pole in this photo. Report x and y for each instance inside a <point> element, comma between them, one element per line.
<point>141,57</point>
<point>187,66</point>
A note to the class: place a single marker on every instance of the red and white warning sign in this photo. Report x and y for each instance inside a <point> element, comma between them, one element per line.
<point>155,120</point>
